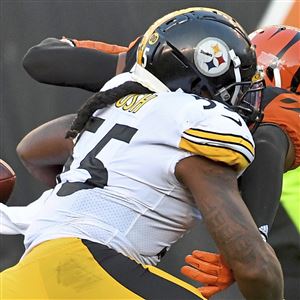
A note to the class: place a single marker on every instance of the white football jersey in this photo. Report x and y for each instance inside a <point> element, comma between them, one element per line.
<point>119,187</point>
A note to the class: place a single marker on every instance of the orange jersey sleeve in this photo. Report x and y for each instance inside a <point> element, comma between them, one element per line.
<point>104,47</point>
<point>283,109</point>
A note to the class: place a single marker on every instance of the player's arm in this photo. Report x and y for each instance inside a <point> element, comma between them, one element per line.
<point>44,150</point>
<point>63,63</point>
<point>277,147</point>
<point>261,184</point>
<point>17,219</point>
<point>261,189</point>
<point>214,188</point>
<point>230,145</point>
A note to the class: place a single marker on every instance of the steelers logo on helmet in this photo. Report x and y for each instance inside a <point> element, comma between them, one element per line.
<point>211,57</point>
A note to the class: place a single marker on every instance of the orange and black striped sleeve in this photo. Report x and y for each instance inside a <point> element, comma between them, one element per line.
<point>282,108</point>
<point>103,47</point>
<point>89,65</point>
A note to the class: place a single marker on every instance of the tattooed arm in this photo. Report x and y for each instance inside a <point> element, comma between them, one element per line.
<point>254,264</point>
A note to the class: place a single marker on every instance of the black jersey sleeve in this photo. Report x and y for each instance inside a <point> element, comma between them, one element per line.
<point>56,62</point>
<point>131,55</point>
<point>261,183</point>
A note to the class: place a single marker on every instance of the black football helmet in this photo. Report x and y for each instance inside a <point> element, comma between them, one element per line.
<point>203,51</point>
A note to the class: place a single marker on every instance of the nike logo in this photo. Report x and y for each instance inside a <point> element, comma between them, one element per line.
<point>237,121</point>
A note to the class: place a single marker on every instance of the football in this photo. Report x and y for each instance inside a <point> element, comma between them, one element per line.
<point>7,181</point>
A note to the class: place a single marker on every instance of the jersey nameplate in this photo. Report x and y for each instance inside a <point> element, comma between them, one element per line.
<point>133,103</point>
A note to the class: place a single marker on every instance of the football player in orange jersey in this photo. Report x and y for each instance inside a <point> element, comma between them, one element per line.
<point>260,185</point>
<point>277,49</point>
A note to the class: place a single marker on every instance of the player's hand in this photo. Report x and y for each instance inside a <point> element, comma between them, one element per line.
<point>209,269</point>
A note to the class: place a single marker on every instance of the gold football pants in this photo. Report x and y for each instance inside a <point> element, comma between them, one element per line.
<point>70,268</point>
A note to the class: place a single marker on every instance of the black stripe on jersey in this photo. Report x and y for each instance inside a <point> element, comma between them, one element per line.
<point>276,32</point>
<point>134,276</point>
<point>221,147</point>
<point>215,140</point>
<point>225,134</point>
<point>131,55</point>
<point>294,40</point>
<point>295,80</point>
<point>270,93</point>
<point>295,109</point>
<point>92,125</point>
<point>288,100</point>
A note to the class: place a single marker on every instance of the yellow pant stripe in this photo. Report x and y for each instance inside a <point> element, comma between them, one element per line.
<point>176,280</point>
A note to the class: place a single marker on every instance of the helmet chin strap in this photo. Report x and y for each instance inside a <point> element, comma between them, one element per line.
<point>223,92</point>
<point>236,63</point>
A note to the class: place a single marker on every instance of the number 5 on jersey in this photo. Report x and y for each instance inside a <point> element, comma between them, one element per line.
<point>95,167</point>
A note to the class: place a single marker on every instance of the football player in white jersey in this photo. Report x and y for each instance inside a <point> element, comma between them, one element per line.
<point>152,150</point>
